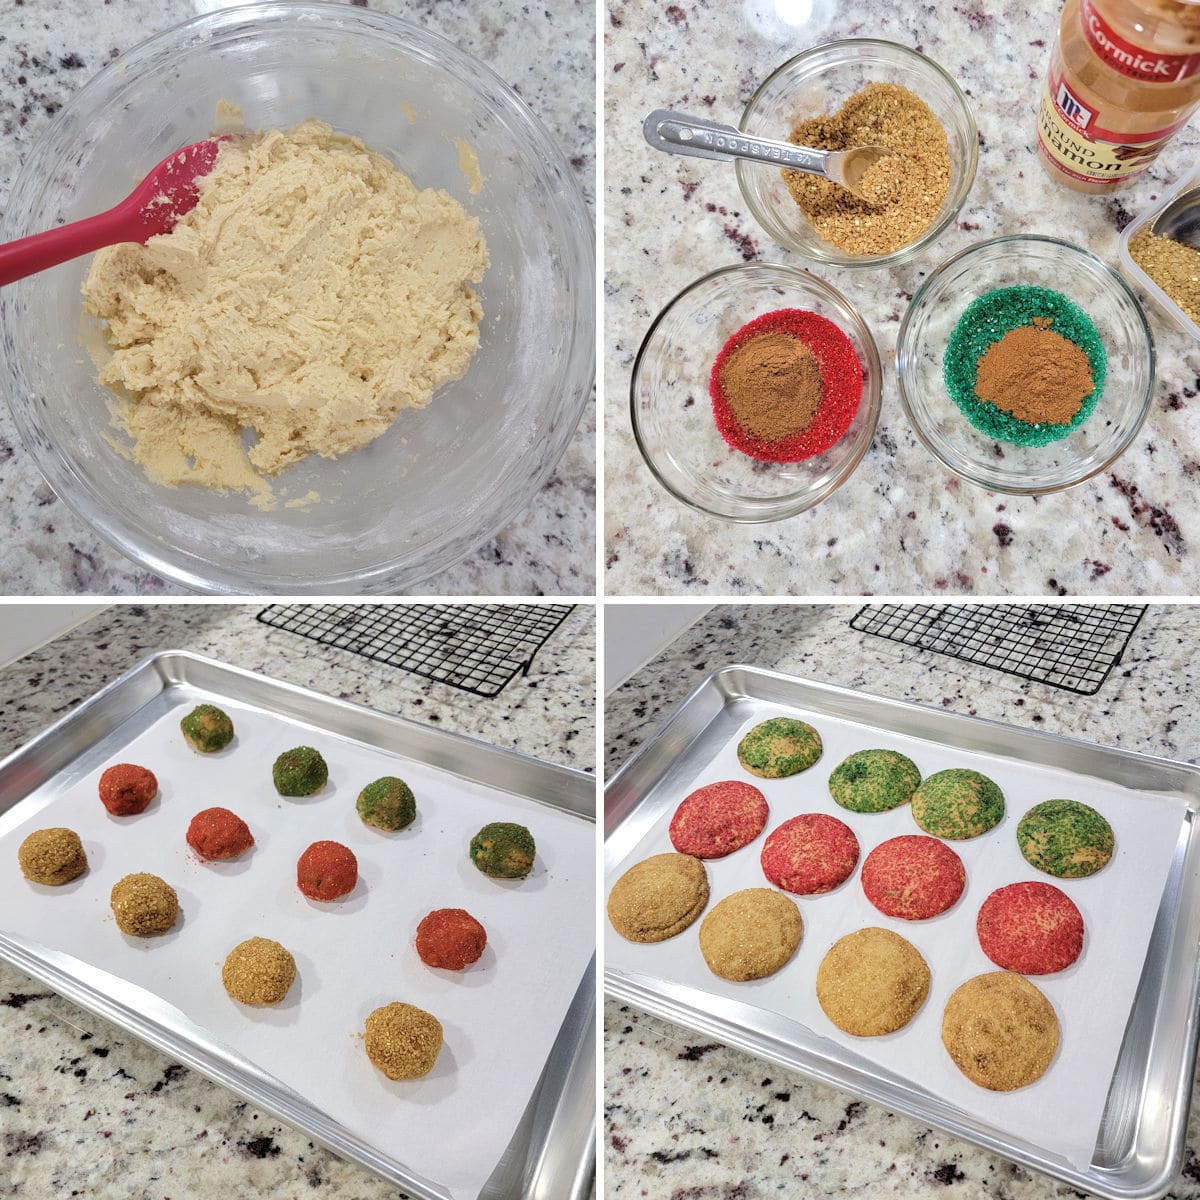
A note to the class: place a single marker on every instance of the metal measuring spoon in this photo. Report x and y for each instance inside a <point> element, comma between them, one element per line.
<point>676,133</point>
<point>1180,220</point>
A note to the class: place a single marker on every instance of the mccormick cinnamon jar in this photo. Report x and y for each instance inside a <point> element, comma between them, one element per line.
<point>1124,76</point>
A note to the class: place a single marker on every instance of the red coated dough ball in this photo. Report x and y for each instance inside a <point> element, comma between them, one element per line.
<point>450,938</point>
<point>718,819</point>
<point>127,789</point>
<point>327,870</point>
<point>1032,928</point>
<point>913,877</point>
<point>810,854</point>
<point>219,833</point>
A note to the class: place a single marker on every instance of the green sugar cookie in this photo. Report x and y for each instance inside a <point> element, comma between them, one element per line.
<point>1065,838</point>
<point>984,322</point>
<point>778,747</point>
<point>957,804</point>
<point>388,803</point>
<point>872,781</point>
<point>207,729</point>
<point>300,772</point>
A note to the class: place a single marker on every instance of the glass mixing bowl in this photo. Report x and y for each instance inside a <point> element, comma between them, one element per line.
<point>1039,262</point>
<point>672,413</point>
<point>442,480</point>
<point>822,79</point>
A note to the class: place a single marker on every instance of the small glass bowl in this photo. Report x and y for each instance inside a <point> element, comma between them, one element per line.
<point>1038,262</point>
<point>817,82</point>
<point>672,412</point>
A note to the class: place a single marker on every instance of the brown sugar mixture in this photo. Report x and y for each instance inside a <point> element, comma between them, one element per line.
<point>905,190</point>
<point>1035,374</point>
<point>773,384</point>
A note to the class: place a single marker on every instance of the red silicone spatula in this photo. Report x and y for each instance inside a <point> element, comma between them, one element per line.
<point>154,206</point>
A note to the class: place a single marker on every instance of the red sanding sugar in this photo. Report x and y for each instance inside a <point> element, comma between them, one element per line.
<point>841,386</point>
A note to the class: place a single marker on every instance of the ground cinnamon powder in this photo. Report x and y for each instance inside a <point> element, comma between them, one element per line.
<point>773,384</point>
<point>1035,374</point>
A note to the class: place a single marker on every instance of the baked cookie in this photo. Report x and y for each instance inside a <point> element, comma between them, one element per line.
<point>1065,838</point>
<point>957,804</point>
<point>778,747</point>
<point>872,982</point>
<point>913,877</point>
<point>872,781</point>
<point>750,934</point>
<point>1030,927</point>
<point>718,819</point>
<point>810,854</point>
<point>1000,1030</point>
<point>658,897</point>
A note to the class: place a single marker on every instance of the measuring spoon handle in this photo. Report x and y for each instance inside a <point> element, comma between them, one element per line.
<point>677,133</point>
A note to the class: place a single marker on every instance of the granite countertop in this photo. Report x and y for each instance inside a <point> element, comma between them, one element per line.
<point>50,48</point>
<point>902,524</point>
<point>687,1117</point>
<point>85,1109</point>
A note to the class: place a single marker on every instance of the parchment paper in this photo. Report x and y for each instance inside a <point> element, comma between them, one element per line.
<point>1060,1112</point>
<point>500,1016</point>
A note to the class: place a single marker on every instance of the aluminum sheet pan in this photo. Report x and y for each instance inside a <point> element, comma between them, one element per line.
<point>1139,1143</point>
<point>551,1153</point>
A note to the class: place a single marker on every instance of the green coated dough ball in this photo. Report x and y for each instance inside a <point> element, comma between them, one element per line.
<point>299,772</point>
<point>388,803</point>
<point>503,850</point>
<point>207,729</point>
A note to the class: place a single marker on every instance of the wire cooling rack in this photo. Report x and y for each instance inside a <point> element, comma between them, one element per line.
<point>1069,646</point>
<point>479,648</point>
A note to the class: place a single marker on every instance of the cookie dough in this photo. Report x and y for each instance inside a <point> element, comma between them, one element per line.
<point>300,772</point>
<point>872,982</point>
<point>779,747</point>
<point>503,850</point>
<point>1000,1031</point>
<point>258,971</point>
<point>1033,928</point>
<point>313,293</point>
<point>1065,838</point>
<point>327,871</point>
<point>216,833</point>
<point>658,897</point>
<point>913,877</point>
<point>388,803</point>
<point>52,856</point>
<point>143,904</point>
<point>127,789</point>
<point>207,728</point>
<point>750,934</point>
<point>958,804</point>
<point>874,781</point>
<point>809,854</point>
<point>403,1041</point>
<point>718,819</point>
<point>450,938</point>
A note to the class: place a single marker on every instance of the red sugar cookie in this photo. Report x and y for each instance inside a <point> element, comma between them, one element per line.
<point>810,854</point>
<point>1032,928</point>
<point>913,877</point>
<point>718,819</point>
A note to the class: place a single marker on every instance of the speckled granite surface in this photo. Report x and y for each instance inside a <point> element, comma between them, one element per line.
<point>87,1110</point>
<point>50,48</point>
<point>902,524</point>
<point>685,1117</point>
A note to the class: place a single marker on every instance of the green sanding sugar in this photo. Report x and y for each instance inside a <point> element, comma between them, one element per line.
<point>985,321</point>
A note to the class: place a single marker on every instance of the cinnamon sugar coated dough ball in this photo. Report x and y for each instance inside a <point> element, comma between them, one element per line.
<point>326,871</point>
<point>207,729</point>
<point>403,1041</point>
<point>658,897</point>
<point>127,789</point>
<point>52,856</point>
<point>1000,1030</point>
<point>216,833</point>
<point>450,938</point>
<point>258,971</point>
<point>144,905</point>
